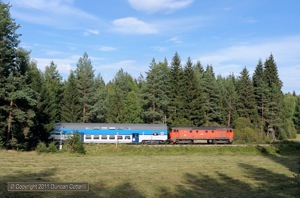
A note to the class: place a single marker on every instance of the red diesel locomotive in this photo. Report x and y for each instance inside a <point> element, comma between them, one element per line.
<point>190,135</point>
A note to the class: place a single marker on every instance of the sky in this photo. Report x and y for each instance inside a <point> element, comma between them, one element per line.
<point>128,34</point>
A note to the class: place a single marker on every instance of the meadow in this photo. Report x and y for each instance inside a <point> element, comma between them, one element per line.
<point>160,171</point>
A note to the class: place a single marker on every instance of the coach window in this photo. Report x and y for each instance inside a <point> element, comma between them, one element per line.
<point>196,131</point>
<point>104,137</point>
<point>206,131</point>
<point>155,133</point>
<point>120,137</point>
<point>212,131</point>
<point>230,130</point>
<point>96,137</point>
<point>111,137</point>
<point>191,131</point>
<point>127,137</point>
<point>88,137</point>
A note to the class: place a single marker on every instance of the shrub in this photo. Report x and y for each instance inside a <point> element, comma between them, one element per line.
<point>74,144</point>
<point>52,148</point>
<point>41,148</point>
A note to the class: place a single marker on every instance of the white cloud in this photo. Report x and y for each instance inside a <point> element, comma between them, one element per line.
<point>151,6</point>
<point>90,31</point>
<point>106,48</point>
<point>175,40</point>
<point>285,51</point>
<point>131,25</point>
<point>56,13</point>
<point>64,65</point>
<point>159,48</point>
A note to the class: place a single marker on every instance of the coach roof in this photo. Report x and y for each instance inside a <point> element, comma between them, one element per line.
<point>111,126</point>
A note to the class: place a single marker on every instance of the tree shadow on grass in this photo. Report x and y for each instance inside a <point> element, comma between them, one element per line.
<point>268,184</point>
<point>287,154</point>
<point>98,189</point>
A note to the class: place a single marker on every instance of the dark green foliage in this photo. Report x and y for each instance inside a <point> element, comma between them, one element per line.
<point>71,108</point>
<point>49,104</point>
<point>289,111</point>
<point>246,106</point>
<point>176,104</point>
<point>85,83</point>
<point>211,98</point>
<point>192,96</point>
<point>118,98</point>
<point>230,98</point>
<point>275,106</point>
<point>42,148</point>
<point>155,93</point>
<point>246,133</point>
<point>74,144</point>
<point>99,110</point>
<point>296,117</point>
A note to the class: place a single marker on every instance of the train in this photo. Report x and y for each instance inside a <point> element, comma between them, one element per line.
<point>142,133</point>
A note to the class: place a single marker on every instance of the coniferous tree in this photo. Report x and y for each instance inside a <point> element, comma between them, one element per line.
<point>17,99</point>
<point>230,98</point>
<point>175,94</point>
<point>50,99</point>
<point>85,82</point>
<point>260,91</point>
<point>246,106</point>
<point>192,97</point>
<point>211,98</point>
<point>118,91</point>
<point>133,108</point>
<point>99,109</point>
<point>71,108</point>
<point>155,93</point>
<point>275,106</point>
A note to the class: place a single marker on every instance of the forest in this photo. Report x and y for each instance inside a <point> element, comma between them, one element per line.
<point>175,92</point>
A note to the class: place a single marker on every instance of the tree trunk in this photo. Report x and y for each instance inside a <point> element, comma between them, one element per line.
<point>9,121</point>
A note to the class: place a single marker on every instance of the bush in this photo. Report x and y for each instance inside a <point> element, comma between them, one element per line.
<point>74,144</point>
<point>52,147</point>
<point>245,132</point>
<point>41,148</point>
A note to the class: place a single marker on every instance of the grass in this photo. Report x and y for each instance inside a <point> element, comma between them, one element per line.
<point>143,171</point>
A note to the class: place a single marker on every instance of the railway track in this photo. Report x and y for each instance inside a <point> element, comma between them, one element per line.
<point>200,145</point>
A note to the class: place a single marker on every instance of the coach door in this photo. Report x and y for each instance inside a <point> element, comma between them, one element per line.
<point>135,138</point>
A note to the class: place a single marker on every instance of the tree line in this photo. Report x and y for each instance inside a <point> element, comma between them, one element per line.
<point>176,93</point>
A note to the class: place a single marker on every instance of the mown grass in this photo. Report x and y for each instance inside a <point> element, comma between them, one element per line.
<point>160,171</point>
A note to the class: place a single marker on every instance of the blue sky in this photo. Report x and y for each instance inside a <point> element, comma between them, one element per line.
<point>228,34</point>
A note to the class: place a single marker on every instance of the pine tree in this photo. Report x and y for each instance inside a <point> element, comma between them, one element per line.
<point>246,106</point>
<point>211,98</point>
<point>99,109</point>
<point>175,94</point>
<point>71,108</point>
<point>230,98</point>
<point>118,91</point>
<point>17,99</point>
<point>133,108</point>
<point>275,107</point>
<point>85,79</point>
<point>192,97</point>
<point>260,91</point>
<point>155,93</point>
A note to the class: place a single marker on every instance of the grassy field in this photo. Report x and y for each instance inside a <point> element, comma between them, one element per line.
<point>143,171</point>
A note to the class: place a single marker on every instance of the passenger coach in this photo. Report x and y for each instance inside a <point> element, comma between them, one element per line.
<point>112,132</point>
